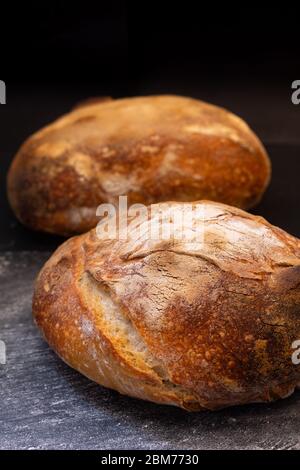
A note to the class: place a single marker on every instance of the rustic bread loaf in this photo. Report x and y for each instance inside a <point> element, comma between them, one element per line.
<point>198,323</point>
<point>153,149</point>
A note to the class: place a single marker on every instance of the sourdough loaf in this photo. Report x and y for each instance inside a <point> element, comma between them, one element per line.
<point>152,149</point>
<point>198,323</point>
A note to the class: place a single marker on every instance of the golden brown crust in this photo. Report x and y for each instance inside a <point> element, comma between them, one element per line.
<point>153,149</point>
<point>71,328</point>
<point>216,317</point>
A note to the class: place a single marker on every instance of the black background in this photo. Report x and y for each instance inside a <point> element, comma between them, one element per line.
<point>243,57</point>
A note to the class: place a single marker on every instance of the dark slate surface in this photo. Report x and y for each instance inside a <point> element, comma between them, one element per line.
<point>46,405</point>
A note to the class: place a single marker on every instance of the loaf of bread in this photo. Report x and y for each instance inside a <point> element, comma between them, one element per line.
<point>152,149</point>
<point>203,320</point>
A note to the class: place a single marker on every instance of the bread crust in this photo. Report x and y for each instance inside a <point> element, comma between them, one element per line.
<point>216,318</point>
<point>152,149</point>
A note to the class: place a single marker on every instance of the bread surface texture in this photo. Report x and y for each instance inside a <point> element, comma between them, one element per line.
<point>199,323</point>
<point>152,149</point>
